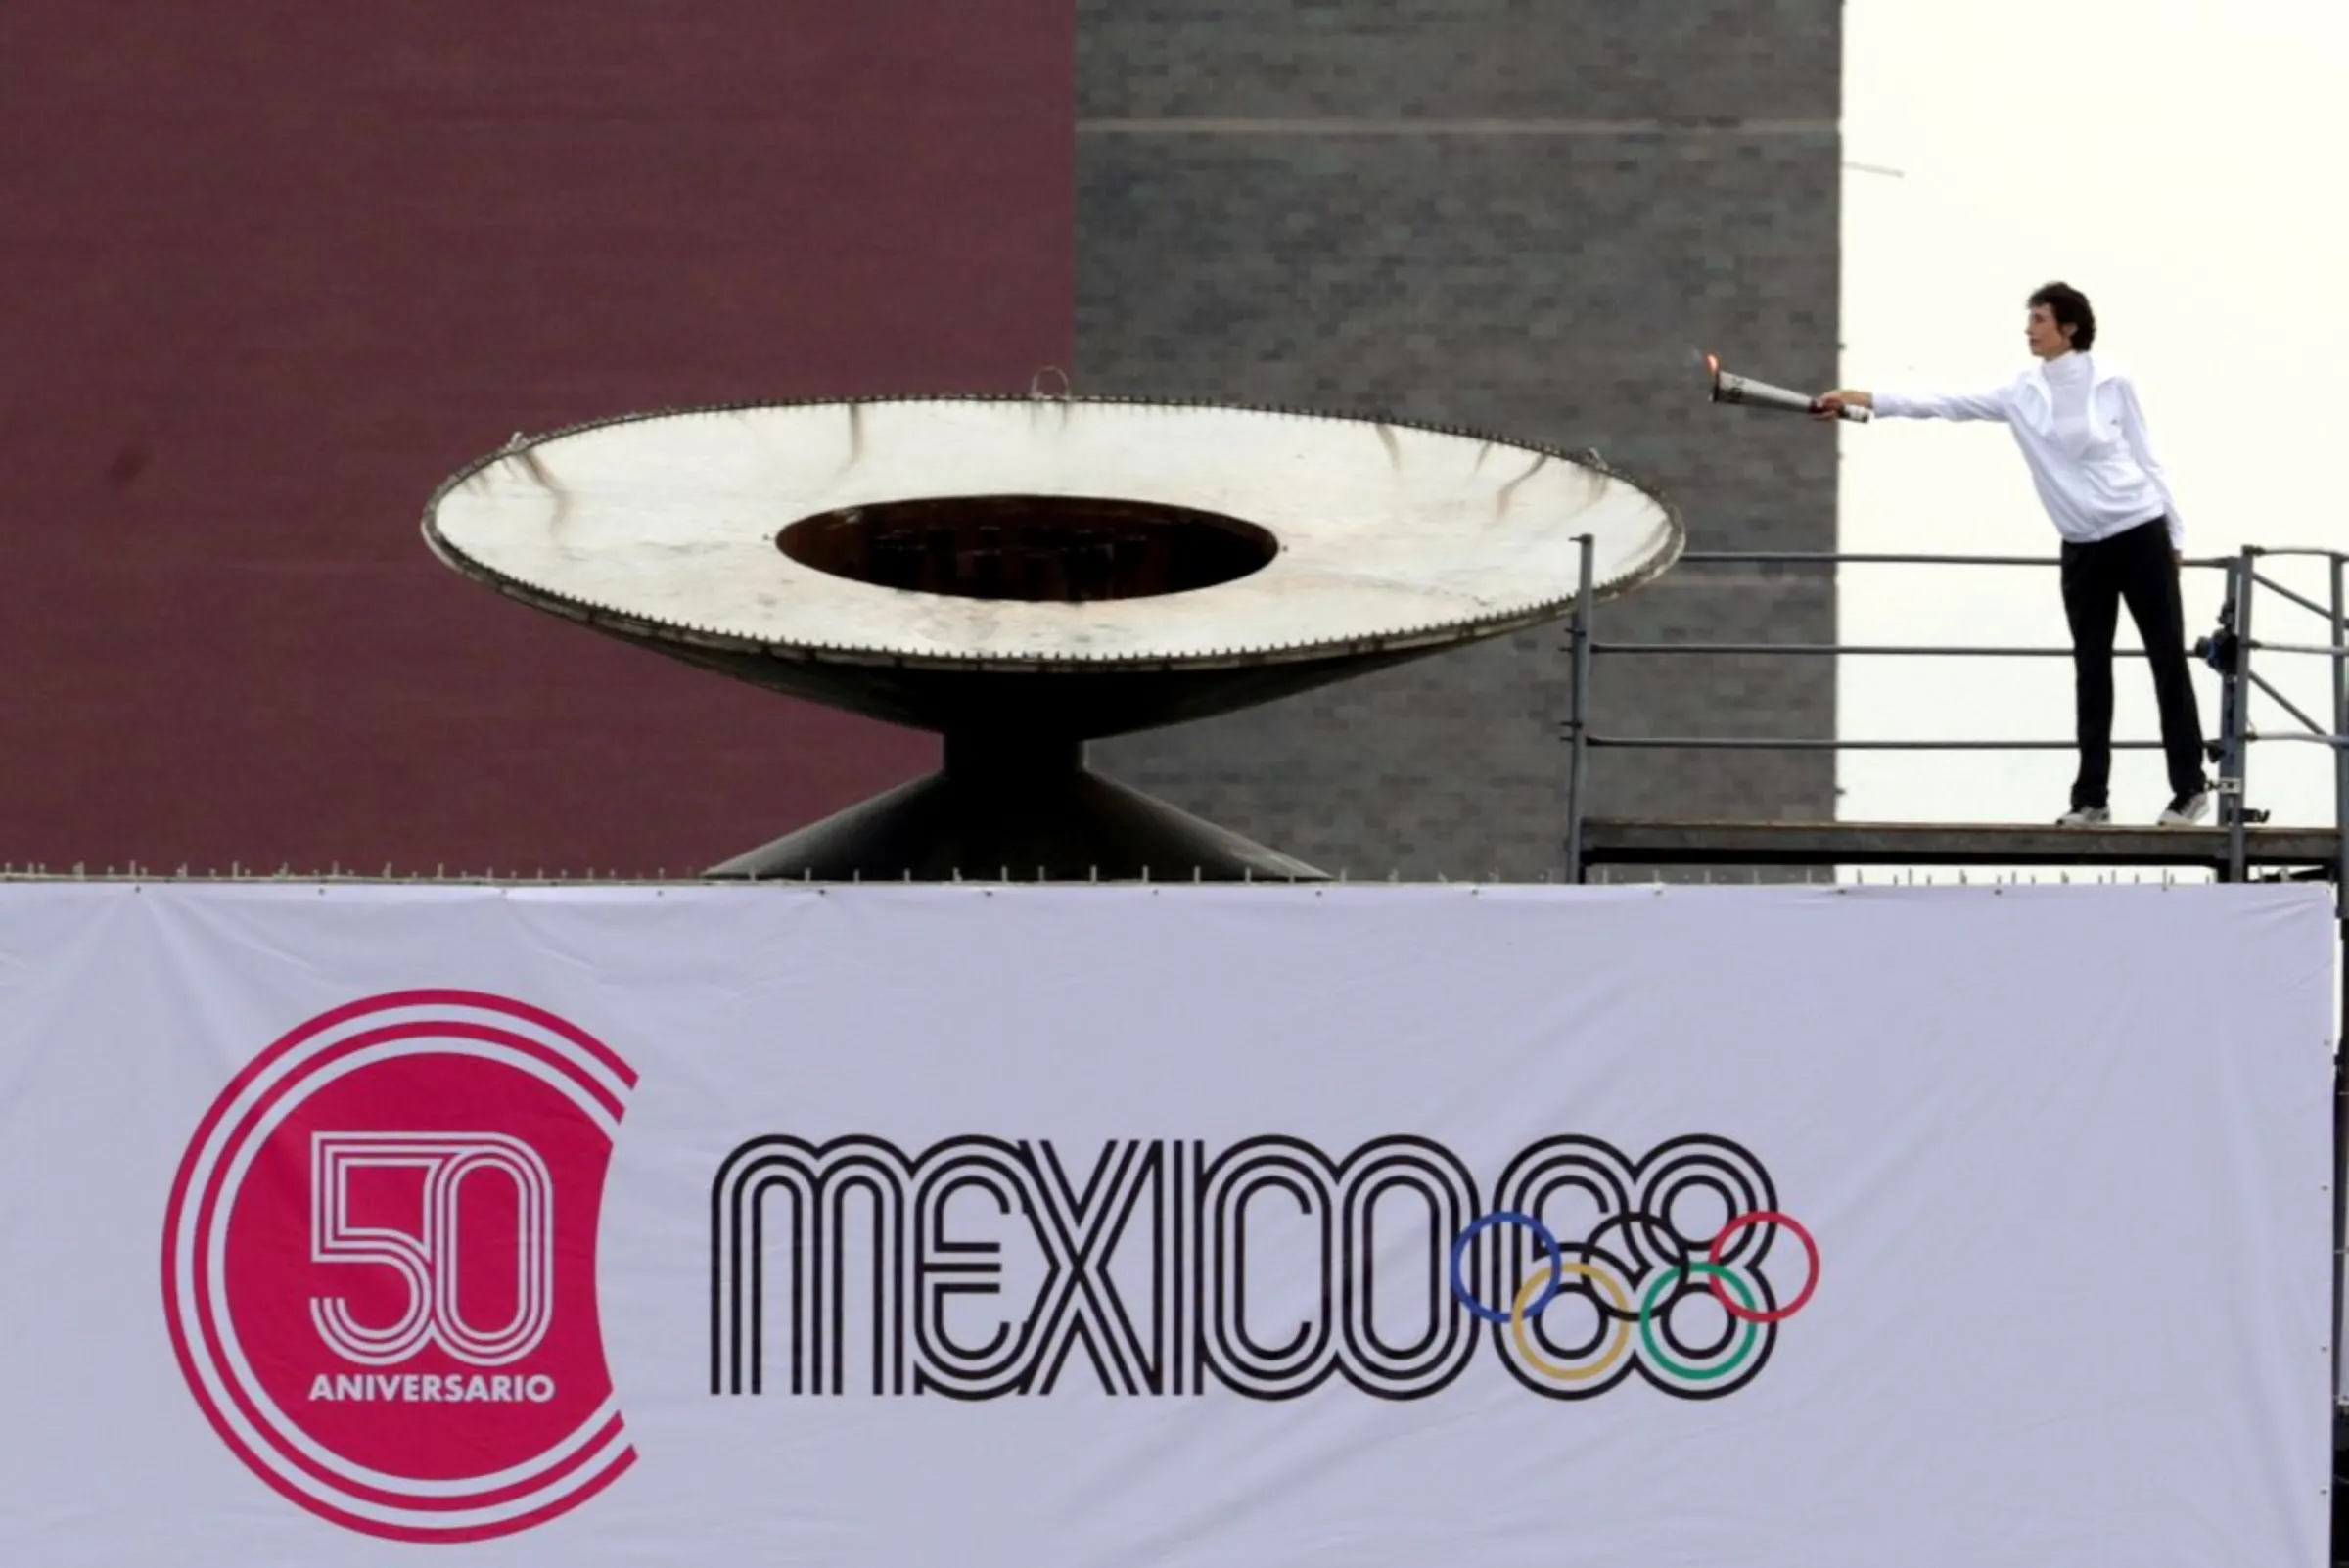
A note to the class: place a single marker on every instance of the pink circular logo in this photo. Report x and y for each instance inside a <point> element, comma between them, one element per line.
<point>379,1266</point>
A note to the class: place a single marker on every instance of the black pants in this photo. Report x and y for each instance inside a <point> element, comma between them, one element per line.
<point>2133,565</point>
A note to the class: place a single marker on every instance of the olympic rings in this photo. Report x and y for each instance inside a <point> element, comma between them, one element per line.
<point>1746,1314</point>
<point>1533,1299</point>
<point>1637,1261</point>
<point>1522,1324</point>
<point>1697,1374</point>
<point>1557,1266</point>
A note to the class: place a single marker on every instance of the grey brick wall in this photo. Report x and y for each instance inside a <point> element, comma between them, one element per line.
<point>1525,215</point>
<point>1681,60</point>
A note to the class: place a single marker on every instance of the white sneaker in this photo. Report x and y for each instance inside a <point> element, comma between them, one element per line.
<point>2085,817</point>
<point>2185,810</point>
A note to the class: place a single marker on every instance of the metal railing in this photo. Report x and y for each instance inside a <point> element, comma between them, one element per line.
<point>2228,651</point>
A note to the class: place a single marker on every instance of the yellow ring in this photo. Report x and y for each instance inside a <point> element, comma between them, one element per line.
<point>1556,1373</point>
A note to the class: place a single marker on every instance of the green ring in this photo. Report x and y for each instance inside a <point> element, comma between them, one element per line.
<point>1648,1327</point>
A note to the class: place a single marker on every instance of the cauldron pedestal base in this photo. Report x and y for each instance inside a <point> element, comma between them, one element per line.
<point>1027,810</point>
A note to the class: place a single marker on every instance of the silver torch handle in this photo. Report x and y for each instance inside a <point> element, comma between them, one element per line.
<point>1732,388</point>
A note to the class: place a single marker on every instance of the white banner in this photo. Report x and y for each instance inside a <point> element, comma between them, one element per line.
<point>1788,1227</point>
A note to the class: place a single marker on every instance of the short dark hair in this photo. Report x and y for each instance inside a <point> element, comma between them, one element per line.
<point>2070,308</point>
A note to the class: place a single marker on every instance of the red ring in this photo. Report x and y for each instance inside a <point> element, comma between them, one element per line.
<point>1747,1315</point>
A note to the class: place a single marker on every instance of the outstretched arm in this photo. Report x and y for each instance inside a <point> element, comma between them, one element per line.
<point>1916,405</point>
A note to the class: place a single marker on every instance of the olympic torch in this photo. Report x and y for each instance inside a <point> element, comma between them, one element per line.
<point>1729,389</point>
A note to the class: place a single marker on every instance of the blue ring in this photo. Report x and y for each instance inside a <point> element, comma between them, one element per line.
<point>1557,1265</point>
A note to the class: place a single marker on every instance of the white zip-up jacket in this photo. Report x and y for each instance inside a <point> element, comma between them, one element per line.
<point>2096,478</point>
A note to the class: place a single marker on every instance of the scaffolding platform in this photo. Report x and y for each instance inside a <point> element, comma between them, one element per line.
<point>2315,850</point>
<point>2240,846</point>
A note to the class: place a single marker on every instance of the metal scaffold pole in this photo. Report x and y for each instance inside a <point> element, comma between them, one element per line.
<point>1577,724</point>
<point>2341,892</point>
<point>2238,711</point>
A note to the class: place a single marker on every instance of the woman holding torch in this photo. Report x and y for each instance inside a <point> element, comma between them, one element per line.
<point>2083,436</point>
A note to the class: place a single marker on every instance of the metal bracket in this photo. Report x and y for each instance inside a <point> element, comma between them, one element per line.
<point>2221,650</point>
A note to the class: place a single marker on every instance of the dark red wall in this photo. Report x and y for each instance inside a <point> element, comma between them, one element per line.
<point>269,271</point>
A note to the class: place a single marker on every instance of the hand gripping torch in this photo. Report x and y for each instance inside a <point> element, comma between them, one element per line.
<point>1728,389</point>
